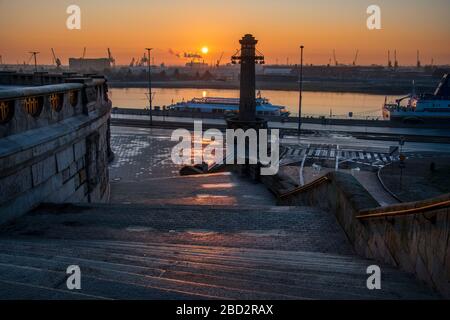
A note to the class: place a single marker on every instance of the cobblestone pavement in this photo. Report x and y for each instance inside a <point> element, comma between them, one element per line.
<point>143,172</point>
<point>141,155</point>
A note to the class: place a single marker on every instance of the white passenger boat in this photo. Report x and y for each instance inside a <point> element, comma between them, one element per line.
<point>228,105</point>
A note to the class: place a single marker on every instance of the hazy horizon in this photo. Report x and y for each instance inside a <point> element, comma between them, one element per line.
<point>186,26</point>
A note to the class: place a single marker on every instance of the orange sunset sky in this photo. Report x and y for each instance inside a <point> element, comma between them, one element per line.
<point>127,27</point>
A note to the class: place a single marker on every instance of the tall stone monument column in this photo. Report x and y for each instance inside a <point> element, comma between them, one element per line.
<point>247,106</point>
<point>247,57</point>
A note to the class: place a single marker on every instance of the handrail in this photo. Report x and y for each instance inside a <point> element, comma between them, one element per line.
<point>383,185</point>
<point>422,209</point>
<point>305,187</point>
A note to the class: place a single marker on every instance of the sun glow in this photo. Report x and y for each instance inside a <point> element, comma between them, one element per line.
<point>205,50</point>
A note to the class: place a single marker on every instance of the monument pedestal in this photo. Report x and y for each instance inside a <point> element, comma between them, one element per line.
<point>236,123</point>
<point>250,170</point>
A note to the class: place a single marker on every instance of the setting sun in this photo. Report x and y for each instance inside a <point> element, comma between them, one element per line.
<point>205,50</point>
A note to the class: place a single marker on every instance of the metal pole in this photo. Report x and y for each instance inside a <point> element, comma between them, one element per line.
<point>402,161</point>
<point>150,98</point>
<point>300,89</point>
<point>401,178</point>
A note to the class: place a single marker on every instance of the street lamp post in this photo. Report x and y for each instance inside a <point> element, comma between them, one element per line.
<point>150,98</point>
<point>300,89</point>
<point>402,161</point>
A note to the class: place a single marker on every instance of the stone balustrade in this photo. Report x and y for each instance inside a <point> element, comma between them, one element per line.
<point>54,142</point>
<point>27,108</point>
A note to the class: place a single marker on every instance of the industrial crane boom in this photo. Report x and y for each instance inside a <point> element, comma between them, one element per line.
<point>356,58</point>
<point>220,60</point>
<point>56,60</point>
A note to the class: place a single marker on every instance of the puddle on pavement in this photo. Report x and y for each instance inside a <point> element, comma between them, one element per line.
<point>264,233</point>
<point>200,232</point>
<point>217,185</point>
<point>139,229</point>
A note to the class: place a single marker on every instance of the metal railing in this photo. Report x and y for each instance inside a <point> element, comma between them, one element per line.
<point>306,187</point>
<point>403,212</point>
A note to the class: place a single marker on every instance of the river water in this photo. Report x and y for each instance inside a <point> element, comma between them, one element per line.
<point>314,103</point>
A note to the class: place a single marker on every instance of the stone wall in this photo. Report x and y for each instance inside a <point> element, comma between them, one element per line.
<point>54,145</point>
<point>417,243</point>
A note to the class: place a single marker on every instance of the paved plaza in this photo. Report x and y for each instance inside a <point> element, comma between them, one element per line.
<point>143,172</point>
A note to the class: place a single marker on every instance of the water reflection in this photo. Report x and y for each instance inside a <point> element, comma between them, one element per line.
<point>314,103</point>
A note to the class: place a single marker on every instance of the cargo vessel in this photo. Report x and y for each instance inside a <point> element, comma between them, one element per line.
<point>423,108</point>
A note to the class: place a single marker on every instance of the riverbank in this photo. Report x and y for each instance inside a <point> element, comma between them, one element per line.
<point>385,87</point>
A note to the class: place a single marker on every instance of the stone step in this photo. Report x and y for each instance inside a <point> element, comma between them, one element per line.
<point>187,252</point>
<point>244,259</point>
<point>313,282</point>
<point>301,274</point>
<point>151,214</point>
<point>156,264</point>
<point>11,290</point>
<point>163,260</point>
<point>140,247</point>
<point>280,228</point>
<point>123,285</point>
<point>282,261</point>
<point>283,291</point>
<point>232,264</point>
<point>92,284</point>
<point>211,285</point>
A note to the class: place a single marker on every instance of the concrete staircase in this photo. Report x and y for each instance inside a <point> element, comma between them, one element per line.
<point>179,252</point>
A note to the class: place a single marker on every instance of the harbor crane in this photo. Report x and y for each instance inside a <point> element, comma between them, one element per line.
<point>418,59</point>
<point>56,60</point>
<point>356,58</point>
<point>334,58</point>
<point>395,59</point>
<point>389,59</point>
<point>111,58</point>
<point>132,62</point>
<point>34,55</point>
<point>84,53</point>
<point>220,60</point>
<point>142,61</point>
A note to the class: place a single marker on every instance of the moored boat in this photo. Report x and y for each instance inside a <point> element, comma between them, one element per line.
<point>429,108</point>
<point>219,105</point>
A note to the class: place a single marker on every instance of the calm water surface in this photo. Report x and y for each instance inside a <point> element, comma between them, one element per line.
<point>314,103</point>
